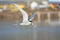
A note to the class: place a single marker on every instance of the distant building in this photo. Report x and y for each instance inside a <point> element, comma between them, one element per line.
<point>18,1</point>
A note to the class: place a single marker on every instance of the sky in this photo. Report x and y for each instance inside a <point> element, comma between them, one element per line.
<point>55,0</point>
<point>10,0</point>
<point>25,0</point>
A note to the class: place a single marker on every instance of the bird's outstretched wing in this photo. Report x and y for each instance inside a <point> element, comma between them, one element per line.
<point>24,13</point>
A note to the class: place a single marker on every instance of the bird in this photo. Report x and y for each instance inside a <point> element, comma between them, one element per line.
<point>25,16</point>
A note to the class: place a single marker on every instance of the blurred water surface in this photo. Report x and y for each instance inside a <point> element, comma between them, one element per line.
<point>9,31</point>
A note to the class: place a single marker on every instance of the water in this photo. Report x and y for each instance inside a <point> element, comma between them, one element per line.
<point>8,31</point>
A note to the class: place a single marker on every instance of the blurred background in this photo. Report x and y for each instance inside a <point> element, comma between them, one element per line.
<point>46,23</point>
